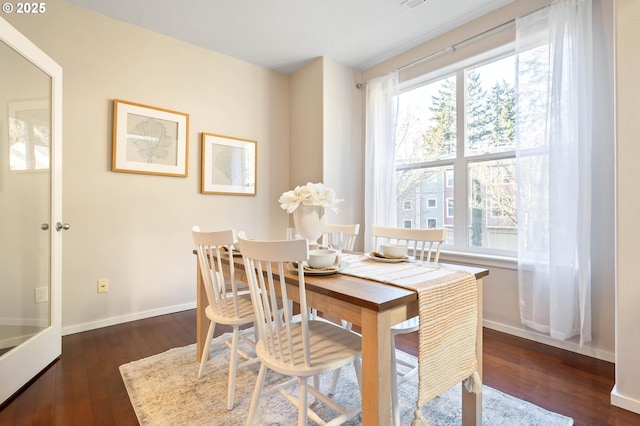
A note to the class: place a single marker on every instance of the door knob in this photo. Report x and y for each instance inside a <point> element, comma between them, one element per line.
<point>44,226</point>
<point>60,226</point>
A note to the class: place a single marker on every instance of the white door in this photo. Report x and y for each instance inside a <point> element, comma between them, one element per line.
<point>30,208</point>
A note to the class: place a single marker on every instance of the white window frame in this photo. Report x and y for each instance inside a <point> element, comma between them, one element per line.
<point>461,184</point>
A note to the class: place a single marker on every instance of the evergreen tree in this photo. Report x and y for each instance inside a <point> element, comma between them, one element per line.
<point>501,112</point>
<point>440,138</point>
<point>478,123</point>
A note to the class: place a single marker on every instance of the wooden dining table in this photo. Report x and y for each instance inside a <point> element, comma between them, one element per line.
<point>374,307</point>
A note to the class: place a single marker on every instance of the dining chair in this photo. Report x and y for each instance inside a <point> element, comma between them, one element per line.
<point>299,349</point>
<point>349,235</point>
<point>423,245</point>
<point>227,304</point>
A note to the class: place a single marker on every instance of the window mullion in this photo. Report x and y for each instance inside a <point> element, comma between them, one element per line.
<point>460,168</point>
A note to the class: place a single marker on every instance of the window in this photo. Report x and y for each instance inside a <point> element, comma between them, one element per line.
<point>407,205</point>
<point>456,127</point>
<point>29,125</point>
<point>407,223</point>
<point>431,223</point>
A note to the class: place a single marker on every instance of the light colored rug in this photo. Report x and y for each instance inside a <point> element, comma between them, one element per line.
<point>164,390</point>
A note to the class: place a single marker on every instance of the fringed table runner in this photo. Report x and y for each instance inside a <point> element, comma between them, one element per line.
<point>447,301</point>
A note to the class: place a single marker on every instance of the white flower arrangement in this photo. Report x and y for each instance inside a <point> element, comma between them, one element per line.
<point>311,194</point>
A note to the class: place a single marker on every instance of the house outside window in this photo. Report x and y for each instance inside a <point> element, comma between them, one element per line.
<point>455,149</point>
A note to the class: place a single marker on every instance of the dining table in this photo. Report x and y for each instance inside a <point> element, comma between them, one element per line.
<point>374,306</point>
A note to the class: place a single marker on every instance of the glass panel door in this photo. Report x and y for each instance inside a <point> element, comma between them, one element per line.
<point>30,336</point>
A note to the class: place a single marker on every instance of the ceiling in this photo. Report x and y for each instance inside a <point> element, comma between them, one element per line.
<point>284,35</point>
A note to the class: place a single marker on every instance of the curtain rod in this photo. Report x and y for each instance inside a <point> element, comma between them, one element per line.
<point>465,42</point>
<point>460,44</point>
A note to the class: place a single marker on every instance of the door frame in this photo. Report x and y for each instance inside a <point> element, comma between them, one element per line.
<point>21,364</point>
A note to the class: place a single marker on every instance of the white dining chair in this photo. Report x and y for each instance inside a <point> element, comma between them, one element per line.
<point>349,235</point>
<point>299,349</point>
<point>226,303</point>
<point>423,245</point>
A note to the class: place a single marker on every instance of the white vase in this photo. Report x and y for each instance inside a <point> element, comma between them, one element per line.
<point>310,221</point>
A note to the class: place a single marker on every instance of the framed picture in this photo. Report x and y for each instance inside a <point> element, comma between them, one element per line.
<point>228,165</point>
<point>149,140</point>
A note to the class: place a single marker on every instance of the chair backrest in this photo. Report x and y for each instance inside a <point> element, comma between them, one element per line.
<point>266,263</point>
<point>349,235</point>
<point>424,243</point>
<point>211,246</point>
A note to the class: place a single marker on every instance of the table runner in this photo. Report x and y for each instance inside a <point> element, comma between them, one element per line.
<point>447,300</point>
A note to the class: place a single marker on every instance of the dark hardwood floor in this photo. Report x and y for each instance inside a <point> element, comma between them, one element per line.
<point>84,386</point>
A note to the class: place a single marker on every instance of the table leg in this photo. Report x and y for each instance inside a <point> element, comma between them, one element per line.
<point>472,402</point>
<point>201,318</point>
<point>376,368</point>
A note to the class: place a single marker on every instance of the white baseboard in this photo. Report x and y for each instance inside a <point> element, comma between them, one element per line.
<point>28,322</point>
<point>624,402</point>
<point>78,328</point>
<point>541,338</point>
<point>14,341</point>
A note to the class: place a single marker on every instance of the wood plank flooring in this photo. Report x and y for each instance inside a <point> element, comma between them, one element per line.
<point>84,386</point>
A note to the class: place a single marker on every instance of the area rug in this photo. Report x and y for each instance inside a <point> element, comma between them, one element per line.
<point>164,390</point>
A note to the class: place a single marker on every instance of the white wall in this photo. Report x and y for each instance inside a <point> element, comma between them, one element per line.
<point>501,306</point>
<point>626,392</point>
<point>135,229</point>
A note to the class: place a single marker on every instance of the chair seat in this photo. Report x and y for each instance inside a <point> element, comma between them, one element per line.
<point>333,347</point>
<point>408,326</point>
<point>246,311</point>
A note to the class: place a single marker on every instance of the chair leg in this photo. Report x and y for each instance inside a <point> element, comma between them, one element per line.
<point>357,365</point>
<point>255,399</point>
<point>334,381</point>
<point>302,402</point>
<point>207,344</point>
<point>395,409</point>
<point>233,365</point>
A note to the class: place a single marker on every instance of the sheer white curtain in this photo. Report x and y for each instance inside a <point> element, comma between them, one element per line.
<point>554,144</point>
<point>380,180</point>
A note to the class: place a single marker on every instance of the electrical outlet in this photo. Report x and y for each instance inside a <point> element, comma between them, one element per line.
<point>41,294</point>
<point>103,285</point>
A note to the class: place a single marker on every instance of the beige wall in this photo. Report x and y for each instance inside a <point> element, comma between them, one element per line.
<point>306,150</point>
<point>326,139</point>
<point>134,229</point>
<point>343,146</point>
<point>626,393</point>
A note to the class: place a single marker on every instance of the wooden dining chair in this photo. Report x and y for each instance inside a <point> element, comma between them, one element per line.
<point>349,235</point>
<point>302,348</point>
<point>226,303</point>
<point>423,245</point>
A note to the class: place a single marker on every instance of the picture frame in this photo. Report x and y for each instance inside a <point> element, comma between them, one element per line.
<point>228,165</point>
<point>149,140</point>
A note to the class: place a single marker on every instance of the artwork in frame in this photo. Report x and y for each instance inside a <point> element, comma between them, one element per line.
<point>149,140</point>
<point>228,165</point>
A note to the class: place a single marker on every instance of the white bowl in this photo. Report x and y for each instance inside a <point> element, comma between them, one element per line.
<point>322,258</point>
<point>393,250</point>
